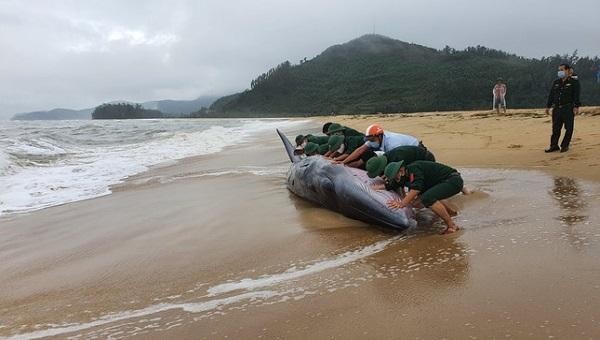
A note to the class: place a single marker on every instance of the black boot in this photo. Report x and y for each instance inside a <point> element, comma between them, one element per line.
<point>552,149</point>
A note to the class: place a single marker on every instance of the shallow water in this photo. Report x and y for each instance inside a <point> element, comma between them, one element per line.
<point>217,247</point>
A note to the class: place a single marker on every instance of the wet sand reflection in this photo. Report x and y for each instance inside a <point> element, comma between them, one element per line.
<point>567,193</point>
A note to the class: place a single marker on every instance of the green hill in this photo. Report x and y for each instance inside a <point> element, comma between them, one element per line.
<point>374,73</point>
<point>55,114</point>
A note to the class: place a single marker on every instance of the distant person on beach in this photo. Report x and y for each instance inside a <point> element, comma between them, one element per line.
<point>379,140</point>
<point>564,102</point>
<point>596,72</point>
<point>499,93</point>
<point>432,182</point>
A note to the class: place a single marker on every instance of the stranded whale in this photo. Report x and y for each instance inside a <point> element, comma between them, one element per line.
<point>343,189</point>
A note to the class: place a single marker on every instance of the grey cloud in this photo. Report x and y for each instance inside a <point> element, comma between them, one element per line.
<point>80,53</point>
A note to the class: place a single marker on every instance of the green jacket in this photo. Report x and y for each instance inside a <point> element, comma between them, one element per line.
<point>348,132</point>
<point>318,139</point>
<point>408,154</point>
<point>323,148</point>
<point>423,175</point>
<point>352,143</point>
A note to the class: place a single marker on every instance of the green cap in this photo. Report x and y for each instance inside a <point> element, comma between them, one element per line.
<point>299,139</point>
<point>323,148</point>
<point>335,142</point>
<point>391,170</point>
<point>311,148</point>
<point>376,165</point>
<point>334,127</point>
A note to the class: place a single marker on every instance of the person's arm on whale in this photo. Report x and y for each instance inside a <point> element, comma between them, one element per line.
<point>355,155</point>
<point>341,158</point>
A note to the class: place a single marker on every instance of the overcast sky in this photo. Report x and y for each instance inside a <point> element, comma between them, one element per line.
<point>80,53</point>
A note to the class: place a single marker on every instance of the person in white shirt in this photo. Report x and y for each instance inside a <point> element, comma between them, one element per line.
<point>379,140</point>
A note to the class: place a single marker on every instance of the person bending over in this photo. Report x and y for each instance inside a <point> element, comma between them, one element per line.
<point>433,182</point>
<point>341,147</point>
<point>379,140</point>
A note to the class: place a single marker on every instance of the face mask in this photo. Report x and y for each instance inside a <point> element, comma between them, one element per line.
<point>561,74</point>
<point>341,149</point>
<point>372,145</point>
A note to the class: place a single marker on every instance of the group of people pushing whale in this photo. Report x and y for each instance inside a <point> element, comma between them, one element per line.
<point>402,161</point>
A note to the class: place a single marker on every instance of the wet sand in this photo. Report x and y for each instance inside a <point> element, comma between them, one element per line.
<point>216,247</point>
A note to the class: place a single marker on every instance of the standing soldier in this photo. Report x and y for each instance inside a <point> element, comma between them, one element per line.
<point>564,102</point>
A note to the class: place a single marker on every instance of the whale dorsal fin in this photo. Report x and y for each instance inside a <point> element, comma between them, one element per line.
<point>289,147</point>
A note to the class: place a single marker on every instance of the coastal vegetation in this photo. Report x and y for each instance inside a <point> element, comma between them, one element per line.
<point>375,73</point>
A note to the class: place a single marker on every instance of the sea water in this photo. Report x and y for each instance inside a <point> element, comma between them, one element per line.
<point>47,163</point>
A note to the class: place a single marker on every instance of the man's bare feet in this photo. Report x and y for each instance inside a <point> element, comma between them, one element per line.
<point>466,191</point>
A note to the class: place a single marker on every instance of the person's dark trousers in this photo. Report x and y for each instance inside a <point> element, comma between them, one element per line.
<point>562,116</point>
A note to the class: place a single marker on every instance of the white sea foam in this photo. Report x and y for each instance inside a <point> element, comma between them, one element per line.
<point>4,162</point>
<point>55,164</point>
<point>192,307</point>
<point>295,273</point>
<point>247,288</point>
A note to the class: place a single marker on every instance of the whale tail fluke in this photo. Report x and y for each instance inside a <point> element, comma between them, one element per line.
<point>289,147</point>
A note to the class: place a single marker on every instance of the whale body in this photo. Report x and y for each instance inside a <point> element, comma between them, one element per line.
<point>344,189</point>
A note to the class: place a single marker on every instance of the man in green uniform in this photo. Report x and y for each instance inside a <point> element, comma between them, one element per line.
<point>319,140</point>
<point>323,149</point>
<point>311,149</point>
<point>341,147</point>
<point>564,102</point>
<point>433,182</point>
<point>335,128</point>
<point>407,153</point>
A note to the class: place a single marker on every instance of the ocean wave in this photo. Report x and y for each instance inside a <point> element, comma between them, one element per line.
<point>4,162</point>
<point>56,164</point>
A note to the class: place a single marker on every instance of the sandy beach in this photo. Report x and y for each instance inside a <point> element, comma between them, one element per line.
<point>486,139</point>
<point>215,246</point>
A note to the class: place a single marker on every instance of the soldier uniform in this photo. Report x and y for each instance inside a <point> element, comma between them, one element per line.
<point>564,96</point>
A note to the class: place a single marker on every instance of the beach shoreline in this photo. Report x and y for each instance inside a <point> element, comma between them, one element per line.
<point>215,245</point>
<point>485,139</point>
